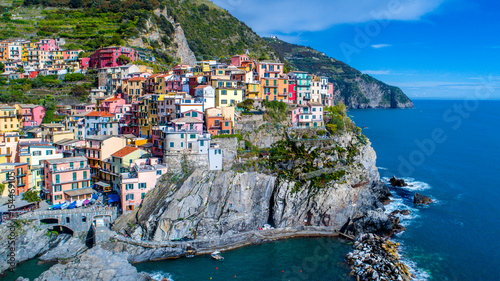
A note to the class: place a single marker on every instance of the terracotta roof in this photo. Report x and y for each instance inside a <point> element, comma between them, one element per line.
<point>99,114</point>
<point>112,99</point>
<point>124,151</point>
<point>136,79</point>
<point>201,86</point>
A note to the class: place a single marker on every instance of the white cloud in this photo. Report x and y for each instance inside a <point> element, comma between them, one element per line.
<point>289,16</point>
<point>379,46</point>
<point>376,72</point>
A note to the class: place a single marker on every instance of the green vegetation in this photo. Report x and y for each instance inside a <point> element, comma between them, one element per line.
<point>214,33</point>
<point>276,111</point>
<point>31,196</point>
<point>345,78</point>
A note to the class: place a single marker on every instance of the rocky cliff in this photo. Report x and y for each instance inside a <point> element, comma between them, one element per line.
<point>217,205</point>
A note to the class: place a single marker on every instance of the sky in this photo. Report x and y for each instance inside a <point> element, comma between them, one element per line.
<point>432,49</point>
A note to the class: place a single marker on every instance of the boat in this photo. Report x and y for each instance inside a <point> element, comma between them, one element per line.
<point>216,256</point>
<point>64,205</point>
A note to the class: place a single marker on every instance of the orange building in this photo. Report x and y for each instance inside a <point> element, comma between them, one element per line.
<point>217,123</point>
<point>274,89</point>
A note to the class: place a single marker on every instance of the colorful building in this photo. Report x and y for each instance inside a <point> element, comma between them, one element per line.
<point>67,179</point>
<point>8,119</point>
<point>30,115</point>
<point>143,175</point>
<point>108,57</point>
<point>309,116</point>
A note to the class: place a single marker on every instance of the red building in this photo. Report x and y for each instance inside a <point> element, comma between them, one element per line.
<point>108,57</point>
<point>239,59</point>
<point>84,63</point>
<point>292,91</point>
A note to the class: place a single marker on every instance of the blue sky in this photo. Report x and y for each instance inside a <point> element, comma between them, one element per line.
<point>441,49</point>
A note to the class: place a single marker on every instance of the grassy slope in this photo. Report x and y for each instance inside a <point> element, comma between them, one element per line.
<point>344,76</point>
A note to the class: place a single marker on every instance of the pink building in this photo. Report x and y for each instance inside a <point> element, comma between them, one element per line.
<point>67,179</point>
<point>309,116</point>
<point>112,105</point>
<point>84,63</point>
<point>71,55</point>
<point>31,115</point>
<point>173,84</point>
<point>142,178</point>
<point>47,45</point>
<point>270,69</point>
<point>107,57</point>
<point>239,59</point>
<point>188,124</point>
<point>329,96</point>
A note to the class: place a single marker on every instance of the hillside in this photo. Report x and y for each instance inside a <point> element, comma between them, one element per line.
<point>355,89</point>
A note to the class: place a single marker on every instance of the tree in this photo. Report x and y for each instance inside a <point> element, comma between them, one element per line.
<point>78,91</point>
<point>75,3</point>
<point>20,69</point>
<point>123,59</point>
<point>31,196</point>
<point>2,67</point>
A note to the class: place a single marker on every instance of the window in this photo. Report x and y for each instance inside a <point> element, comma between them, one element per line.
<point>57,178</point>
<point>74,185</point>
<point>195,114</point>
<point>142,185</point>
<point>224,92</point>
<point>129,197</point>
<point>171,144</point>
<point>57,188</point>
<point>129,187</point>
<point>224,101</point>
<point>182,136</point>
<point>142,195</point>
<point>48,152</point>
<point>192,136</point>
<point>158,172</point>
<point>182,144</point>
<point>74,176</point>
<point>71,165</point>
<point>226,124</point>
<point>84,175</point>
<point>37,153</point>
<point>85,184</point>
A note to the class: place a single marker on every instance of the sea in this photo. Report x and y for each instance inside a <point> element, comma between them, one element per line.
<point>447,150</point>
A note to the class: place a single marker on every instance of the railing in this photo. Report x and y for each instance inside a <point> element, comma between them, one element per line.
<point>68,169</point>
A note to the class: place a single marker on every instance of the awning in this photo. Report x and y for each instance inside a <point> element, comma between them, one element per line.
<point>113,198</point>
<point>78,192</point>
<point>102,184</point>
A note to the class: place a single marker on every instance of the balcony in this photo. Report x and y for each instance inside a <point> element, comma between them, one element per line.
<point>69,169</point>
<point>307,98</point>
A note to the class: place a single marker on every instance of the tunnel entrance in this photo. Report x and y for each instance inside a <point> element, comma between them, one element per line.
<point>62,229</point>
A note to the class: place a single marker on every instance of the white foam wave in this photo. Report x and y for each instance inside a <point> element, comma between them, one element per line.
<point>413,185</point>
<point>382,168</point>
<point>160,275</point>
<point>418,274</point>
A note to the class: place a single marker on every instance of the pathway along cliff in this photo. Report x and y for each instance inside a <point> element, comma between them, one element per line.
<point>313,183</point>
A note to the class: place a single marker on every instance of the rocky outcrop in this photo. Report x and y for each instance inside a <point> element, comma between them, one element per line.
<point>64,247</point>
<point>96,264</point>
<point>375,258</point>
<point>227,207</point>
<point>397,182</point>
<point>30,242</point>
<point>420,199</point>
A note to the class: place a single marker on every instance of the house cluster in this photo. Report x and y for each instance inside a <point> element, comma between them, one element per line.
<point>121,140</point>
<point>27,59</point>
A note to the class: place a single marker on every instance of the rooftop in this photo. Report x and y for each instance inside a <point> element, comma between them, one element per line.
<point>124,151</point>
<point>66,160</point>
<point>99,114</point>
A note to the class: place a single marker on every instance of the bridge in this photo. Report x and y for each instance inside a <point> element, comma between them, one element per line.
<point>75,221</point>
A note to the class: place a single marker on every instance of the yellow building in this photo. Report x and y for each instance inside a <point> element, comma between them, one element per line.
<point>252,91</point>
<point>228,96</point>
<point>8,119</point>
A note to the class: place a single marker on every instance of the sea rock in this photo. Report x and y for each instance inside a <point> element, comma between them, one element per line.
<point>30,242</point>
<point>20,278</point>
<point>66,247</point>
<point>420,199</point>
<point>397,182</point>
<point>95,264</point>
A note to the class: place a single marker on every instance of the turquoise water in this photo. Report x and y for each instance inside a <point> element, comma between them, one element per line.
<point>29,269</point>
<point>456,238</point>
<point>294,259</point>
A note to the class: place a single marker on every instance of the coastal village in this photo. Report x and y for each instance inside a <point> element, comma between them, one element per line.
<point>115,147</point>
